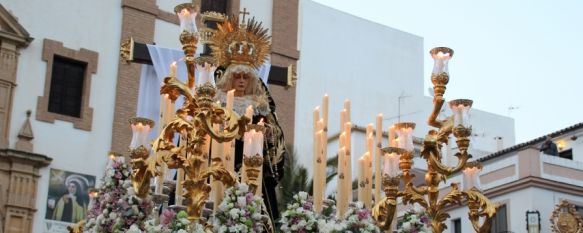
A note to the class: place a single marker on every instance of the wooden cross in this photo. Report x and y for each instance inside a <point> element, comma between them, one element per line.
<point>244,12</point>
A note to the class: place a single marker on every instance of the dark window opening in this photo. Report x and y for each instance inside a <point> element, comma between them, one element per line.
<point>66,91</point>
<point>219,6</point>
<point>278,75</point>
<point>457,225</point>
<point>566,154</point>
<point>500,221</point>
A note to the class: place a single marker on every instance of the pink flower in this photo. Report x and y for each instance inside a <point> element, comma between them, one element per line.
<point>167,217</point>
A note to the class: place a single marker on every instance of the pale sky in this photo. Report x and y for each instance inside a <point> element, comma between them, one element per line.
<point>507,54</point>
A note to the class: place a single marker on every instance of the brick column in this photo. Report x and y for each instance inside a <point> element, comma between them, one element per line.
<point>138,22</point>
<point>285,53</point>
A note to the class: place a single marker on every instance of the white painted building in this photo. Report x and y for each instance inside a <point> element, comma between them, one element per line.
<point>521,178</point>
<point>374,66</point>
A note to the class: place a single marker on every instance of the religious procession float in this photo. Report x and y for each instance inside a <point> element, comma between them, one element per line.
<point>227,148</point>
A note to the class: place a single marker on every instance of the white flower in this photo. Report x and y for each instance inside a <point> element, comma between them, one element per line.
<point>243,187</point>
<point>406,226</point>
<point>303,195</point>
<point>234,213</point>
<point>134,229</point>
<point>241,201</point>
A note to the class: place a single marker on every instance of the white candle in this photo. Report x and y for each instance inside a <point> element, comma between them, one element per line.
<point>173,69</point>
<point>392,142</point>
<point>341,195</point>
<point>217,152</point>
<point>325,104</point>
<point>230,97</point>
<point>318,173</point>
<point>391,164</point>
<point>368,180</point>
<point>378,157</point>
<point>179,179</point>
<point>316,118</point>
<point>348,161</point>
<point>347,107</point>
<point>249,113</point>
<point>361,179</point>
<point>471,178</point>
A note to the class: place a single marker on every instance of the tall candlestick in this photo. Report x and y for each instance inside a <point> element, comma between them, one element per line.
<point>179,178</point>
<point>217,152</point>
<point>230,98</point>
<point>325,104</point>
<point>316,114</point>
<point>391,164</point>
<point>347,107</point>
<point>378,158</point>
<point>392,142</point>
<point>341,195</point>
<point>368,184</point>
<point>361,179</point>
<point>249,113</point>
<point>173,69</point>
<point>318,173</point>
<point>348,161</point>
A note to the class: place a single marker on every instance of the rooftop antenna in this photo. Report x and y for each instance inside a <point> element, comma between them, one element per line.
<point>402,96</point>
<point>511,109</point>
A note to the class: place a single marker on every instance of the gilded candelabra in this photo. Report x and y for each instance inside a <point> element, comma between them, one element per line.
<point>481,210</point>
<point>193,122</point>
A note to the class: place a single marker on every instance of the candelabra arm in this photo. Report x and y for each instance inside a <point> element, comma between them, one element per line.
<point>480,206</point>
<point>233,126</point>
<point>197,188</point>
<point>175,88</point>
<point>143,168</point>
<point>437,105</point>
<point>435,163</point>
<point>437,213</point>
<point>413,194</point>
<point>384,211</point>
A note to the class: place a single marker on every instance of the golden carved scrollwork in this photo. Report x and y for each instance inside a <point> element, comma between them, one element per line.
<point>193,122</point>
<point>481,210</point>
<point>566,219</point>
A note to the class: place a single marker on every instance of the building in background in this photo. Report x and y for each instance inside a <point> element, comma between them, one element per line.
<point>521,178</point>
<point>81,95</point>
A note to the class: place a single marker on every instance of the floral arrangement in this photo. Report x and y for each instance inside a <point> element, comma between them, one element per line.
<point>116,207</point>
<point>170,222</point>
<point>414,222</point>
<point>299,217</point>
<point>240,211</point>
<point>358,219</point>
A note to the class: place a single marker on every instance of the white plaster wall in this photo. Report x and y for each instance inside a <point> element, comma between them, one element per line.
<point>372,65</point>
<point>353,56</point>
<point>517,203</point>
<point>564,163</point>
<point>262,10</point>
<point>166,35</point>
<point>94,25</point>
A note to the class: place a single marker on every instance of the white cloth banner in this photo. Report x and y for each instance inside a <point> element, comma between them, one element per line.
<point>152,77</point>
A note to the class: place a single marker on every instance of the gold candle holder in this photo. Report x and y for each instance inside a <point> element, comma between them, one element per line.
<point>253,172</point>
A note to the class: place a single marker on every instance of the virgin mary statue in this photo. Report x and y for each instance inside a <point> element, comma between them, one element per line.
<point>241,49</point>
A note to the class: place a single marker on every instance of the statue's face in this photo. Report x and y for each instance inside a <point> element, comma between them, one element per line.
<point>240,82</point>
